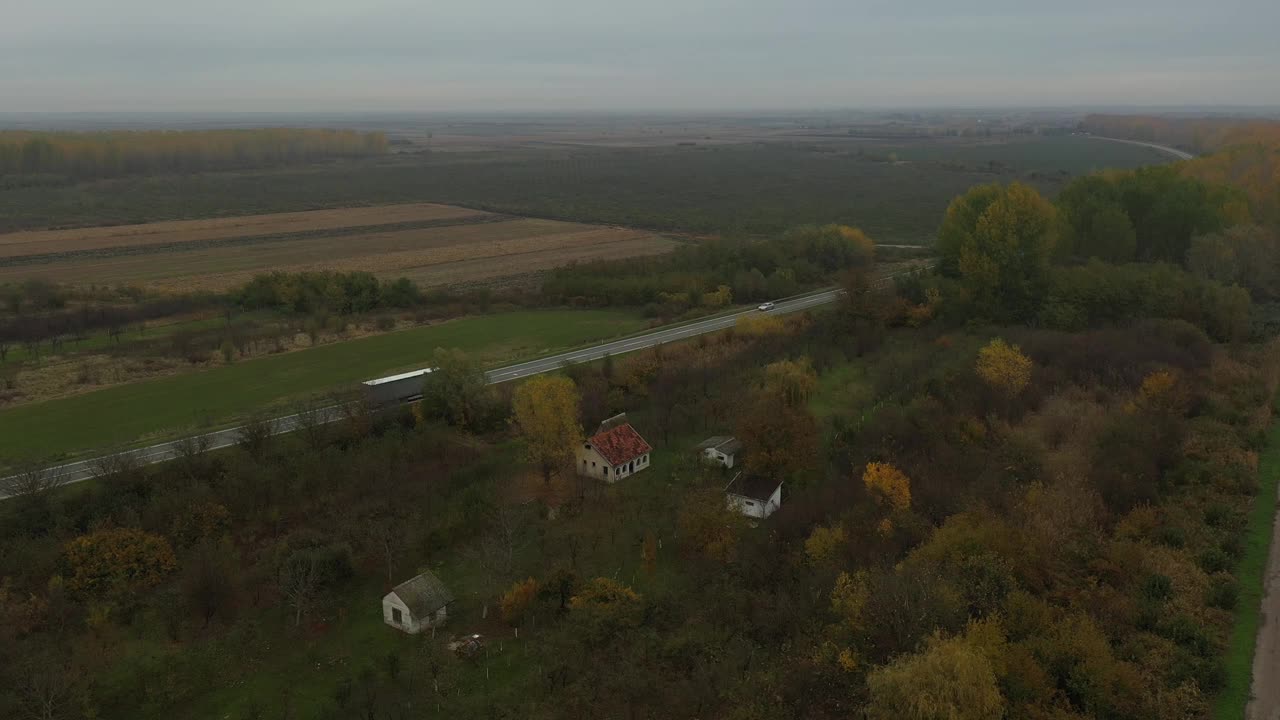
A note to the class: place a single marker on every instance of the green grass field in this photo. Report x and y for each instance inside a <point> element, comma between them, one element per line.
<point>1231,702</point>
<point>129,413</point>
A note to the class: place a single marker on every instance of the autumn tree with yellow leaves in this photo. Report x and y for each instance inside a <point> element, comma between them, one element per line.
<point>951,679</point>
<point>118,561</point>
<point>517,599</point>
<point>1003,367</point>
<point>546,411</point>
<point>823,543</point>
<point>891,489</point>
<point>791,380</point>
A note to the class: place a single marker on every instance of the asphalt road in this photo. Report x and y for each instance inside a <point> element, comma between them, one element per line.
<point>1180,154</point>
<point>86,469</point>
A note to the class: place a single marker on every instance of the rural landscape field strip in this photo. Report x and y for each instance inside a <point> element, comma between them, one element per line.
<point>127,413</point>
<point>240,241</point>
<point>84,238</point>
<point>389,250</point>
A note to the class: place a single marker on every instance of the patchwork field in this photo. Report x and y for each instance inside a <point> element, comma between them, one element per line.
<point>429,243</point>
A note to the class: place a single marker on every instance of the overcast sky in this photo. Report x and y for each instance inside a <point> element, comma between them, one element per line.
<point>439,55</point>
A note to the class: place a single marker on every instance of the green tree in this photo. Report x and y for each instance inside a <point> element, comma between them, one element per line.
<point>456,390</point>
<point>998,240</point>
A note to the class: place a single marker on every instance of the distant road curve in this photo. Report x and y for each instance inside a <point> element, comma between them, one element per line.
<point>87,469</point>
<point>1180,154</point>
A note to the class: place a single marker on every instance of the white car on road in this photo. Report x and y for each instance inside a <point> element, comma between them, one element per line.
<point>765,307</point>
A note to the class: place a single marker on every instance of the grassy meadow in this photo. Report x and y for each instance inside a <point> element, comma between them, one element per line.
<point>127,413</point>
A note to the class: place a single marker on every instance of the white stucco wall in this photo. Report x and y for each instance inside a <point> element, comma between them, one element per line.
<point>715,456</point>
<point>752,507</point>
<point>409,623</point>
<point>590,463</point>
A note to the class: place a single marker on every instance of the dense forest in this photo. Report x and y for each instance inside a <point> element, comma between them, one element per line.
<point>1016,486</point>
<point>92,155</point>
<point>1242,153</point>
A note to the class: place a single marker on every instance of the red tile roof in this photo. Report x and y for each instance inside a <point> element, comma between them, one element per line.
<point>620,444</point>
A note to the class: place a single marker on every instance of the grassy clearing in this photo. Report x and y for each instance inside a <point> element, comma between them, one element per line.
<point>1231,702</point>
<point>129,413</point>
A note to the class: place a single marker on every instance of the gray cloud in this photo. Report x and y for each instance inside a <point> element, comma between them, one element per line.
<point>246,55</point>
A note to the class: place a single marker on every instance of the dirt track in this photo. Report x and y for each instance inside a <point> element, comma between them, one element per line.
<point>1265,690</point>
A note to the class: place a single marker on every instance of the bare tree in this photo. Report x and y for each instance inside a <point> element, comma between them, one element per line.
<point>357,410</point>
<point>116,465</point>
<point>49,689</point>
<point>255,435</point>
<point>387,534</point>
<point>311,420</point>
<point>208,583</point>
<point>299,581</point>
<point>189,452</point>
<point>499,543</point>
<point>32,479</point>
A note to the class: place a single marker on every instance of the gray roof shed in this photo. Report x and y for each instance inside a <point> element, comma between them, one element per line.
<point>726,444</point>
<point>424,594</point>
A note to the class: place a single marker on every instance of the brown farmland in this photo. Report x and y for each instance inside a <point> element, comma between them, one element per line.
<point>432,244</point>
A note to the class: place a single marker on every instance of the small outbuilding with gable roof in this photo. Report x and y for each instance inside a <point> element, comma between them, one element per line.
<point>417,605</point>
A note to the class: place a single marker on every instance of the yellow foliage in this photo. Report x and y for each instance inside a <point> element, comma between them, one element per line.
<point>721,297</point>
<point>884,527</point>
<point>602,592</point>
<point>546,410</point>
<point>849,597</point>
<point>949,680</point>
<point>760,325</point>
<point>118,560</point>
<point>848,660</point>
<point>921,315</point>
<point>823,542</point>
<point>888,485</point>
<point>864,245</point>
<point>517,599</point>
<point>1158,384</point>
<point>1004,367</point>
<point>792,380</point>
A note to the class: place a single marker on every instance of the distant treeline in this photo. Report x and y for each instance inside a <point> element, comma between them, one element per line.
<point>82,156</point>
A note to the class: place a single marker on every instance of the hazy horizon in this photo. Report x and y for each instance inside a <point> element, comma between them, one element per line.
<point>498,56</point>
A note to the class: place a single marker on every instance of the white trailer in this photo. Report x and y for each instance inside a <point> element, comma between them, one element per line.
<point>396,389</point>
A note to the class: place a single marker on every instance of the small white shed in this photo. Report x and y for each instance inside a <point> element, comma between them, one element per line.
<point>416,605</point>
<point>753,496</point>
<point>721,449</point>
